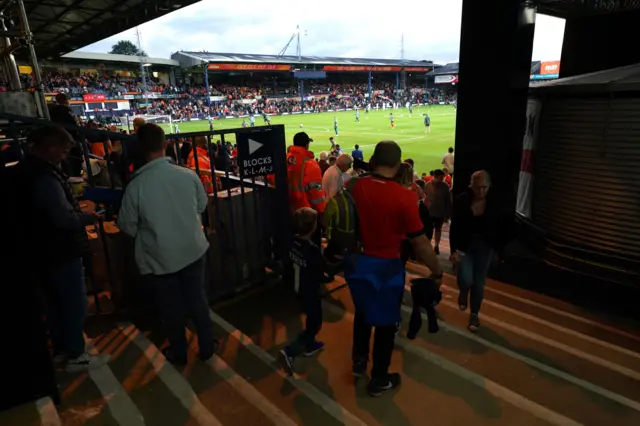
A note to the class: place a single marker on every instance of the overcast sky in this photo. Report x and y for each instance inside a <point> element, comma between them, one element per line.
<point>334,28</point>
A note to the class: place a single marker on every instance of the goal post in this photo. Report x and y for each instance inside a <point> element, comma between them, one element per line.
<point>163,121</point>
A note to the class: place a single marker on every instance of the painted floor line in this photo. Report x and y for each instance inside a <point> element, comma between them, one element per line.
<point>48,412</point>
<point>121,406</point>
<point>329,405</point>
<point>495,389</point>
<point>420,270</point>
<point>628,372</point>
<point>539,365</point>
<point>247,391</point>
<point>174,381</point>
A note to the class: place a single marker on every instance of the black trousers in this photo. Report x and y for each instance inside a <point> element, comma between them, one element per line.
<point>383,341</point>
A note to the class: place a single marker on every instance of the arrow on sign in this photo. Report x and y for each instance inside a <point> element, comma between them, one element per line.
<point>254,146</point>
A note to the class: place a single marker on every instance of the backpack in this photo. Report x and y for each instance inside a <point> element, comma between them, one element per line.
<point>341,220</point>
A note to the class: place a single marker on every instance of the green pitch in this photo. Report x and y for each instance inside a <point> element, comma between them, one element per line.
<point>425,149</point>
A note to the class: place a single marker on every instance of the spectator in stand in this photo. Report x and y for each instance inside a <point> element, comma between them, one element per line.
<point>387,214</point>
<point>61,249</point>
<point>338,150</point>
<point>204,163</point>
<point>357,153</point>
<point>410,162</point>
<point>324,164</point>
<point>447,178</point>
<point>448,160</point>
<point>439,203</point>
<point>334,179</point>
<point>161,209</point>
<point>332,160</point>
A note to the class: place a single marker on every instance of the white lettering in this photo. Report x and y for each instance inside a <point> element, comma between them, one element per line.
<point>257,162</point>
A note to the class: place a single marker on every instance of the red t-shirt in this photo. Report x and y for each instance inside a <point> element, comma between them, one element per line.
<point>388,214</point>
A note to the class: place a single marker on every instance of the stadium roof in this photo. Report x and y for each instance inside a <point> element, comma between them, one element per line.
<point>62,26</point>
<point>290,59</point>
<point>569,8</point>
<point>108,57</point>
<point>623,79</point>
<point>450,68</point>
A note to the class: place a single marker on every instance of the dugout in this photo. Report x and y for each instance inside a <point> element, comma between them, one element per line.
<point>580,179</point>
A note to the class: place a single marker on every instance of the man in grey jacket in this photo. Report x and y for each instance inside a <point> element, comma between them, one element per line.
<point>162,209</point>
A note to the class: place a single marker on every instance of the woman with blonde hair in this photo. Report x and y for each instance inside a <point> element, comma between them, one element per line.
<point>474,237</point>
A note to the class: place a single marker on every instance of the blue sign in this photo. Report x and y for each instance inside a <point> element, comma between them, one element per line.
<point>309,74</point>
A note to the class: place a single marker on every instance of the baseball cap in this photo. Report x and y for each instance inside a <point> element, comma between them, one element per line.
<point>301,139</point>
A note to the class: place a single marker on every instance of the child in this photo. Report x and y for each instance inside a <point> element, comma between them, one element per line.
<point>309,266</point>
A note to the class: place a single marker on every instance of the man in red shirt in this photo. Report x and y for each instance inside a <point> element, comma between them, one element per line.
<point>387,214</point>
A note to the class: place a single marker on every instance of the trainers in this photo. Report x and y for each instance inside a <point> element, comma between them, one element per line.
<point>398,328</point>
<point>474,323</point>
<point>462,302</point>
<point>359,368</point>
<point>206,356</point>
<point>288,360</point>
<point>86,362</point>
<point>313,348</point>
<point>378,387</point>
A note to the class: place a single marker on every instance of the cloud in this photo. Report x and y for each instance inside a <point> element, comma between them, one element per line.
<point>354,28</point>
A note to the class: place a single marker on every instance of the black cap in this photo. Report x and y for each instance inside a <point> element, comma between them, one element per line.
<point>438,173</point>
<point>301,139</point>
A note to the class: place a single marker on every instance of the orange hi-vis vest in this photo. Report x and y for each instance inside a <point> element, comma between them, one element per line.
<point>204,165</point>
<point>305,180</point>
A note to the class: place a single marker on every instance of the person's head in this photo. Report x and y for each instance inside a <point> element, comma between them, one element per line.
<point>323,156</point>
<point>337,146</point>
<point>431,172</point>
<point>424,175</point>
<point>302,139</point>
<point>61,99</point>
<point>137,123</point>
<point>386,158</point>
<point>480,183</point>
<point>410,162</point>
<point>357,146</point>
<point>331,140</point>
<point>422,184</point>
<point>344,162</point>
<point>305,221</point>
<point>445,171</point>
<point>450,150</point>
<point>151,141</point>
<point>52,144</point>
<point>201,141</point>
<point>438,175</point>
<point>405,175</point>
<point>332,160</point>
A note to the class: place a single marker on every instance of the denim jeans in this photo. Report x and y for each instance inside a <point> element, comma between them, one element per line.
<point>472,272</point>
<point>180,291</point>
<point>67,303</point>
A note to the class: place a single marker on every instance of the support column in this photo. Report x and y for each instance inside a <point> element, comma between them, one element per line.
<point>496,42</point>
<point>302,96</point>
<point>370,88</point>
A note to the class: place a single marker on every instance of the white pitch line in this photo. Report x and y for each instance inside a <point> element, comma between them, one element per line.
<point>48,413</point>
<point>540,366</point>
<point>122,408</point>
<point>495,389</point>
<point>554,326</point>
<point>174,381</point>
<point>334,409</point>
<point>247,391</point>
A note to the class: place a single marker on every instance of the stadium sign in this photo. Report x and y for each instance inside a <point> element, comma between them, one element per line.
<point>256,153</point>
<point>357,68</point>
<point>249,67</point>
<point>97,97</point>
<point>446,79</point>
<point>417,69</point>
<point>551,67</point>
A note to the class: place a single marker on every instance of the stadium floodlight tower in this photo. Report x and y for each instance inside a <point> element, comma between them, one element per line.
<point>296,36</point>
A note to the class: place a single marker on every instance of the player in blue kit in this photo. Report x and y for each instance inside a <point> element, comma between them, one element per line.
<point>392,120</point>
<point>357,116</point>
<point>335,125</point>
<point>309,268</point>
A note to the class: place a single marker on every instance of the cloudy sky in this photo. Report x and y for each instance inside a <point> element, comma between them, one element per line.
<point>349,28</point>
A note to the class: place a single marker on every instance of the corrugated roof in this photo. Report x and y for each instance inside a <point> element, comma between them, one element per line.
<point>62,26</point>
<point>108,57</point>
<point>290,59</point>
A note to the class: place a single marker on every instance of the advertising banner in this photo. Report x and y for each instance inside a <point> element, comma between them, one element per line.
<point>550,67</point>
<point>25,69</point>
<point>217,98</point>
<point>249,67</point>
<point>417,69</point>
<point>360,68</point>
<point>529,142</point>
<point>446,79</point>
<point>94,97</point>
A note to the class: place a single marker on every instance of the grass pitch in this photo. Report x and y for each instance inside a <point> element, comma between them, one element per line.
<point>425,149</point>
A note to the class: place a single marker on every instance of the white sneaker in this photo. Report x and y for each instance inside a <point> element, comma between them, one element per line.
<point>86,362</point>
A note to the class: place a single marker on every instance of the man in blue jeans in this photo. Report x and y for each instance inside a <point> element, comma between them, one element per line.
<point>60,243</point>
<point>162,209</point>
